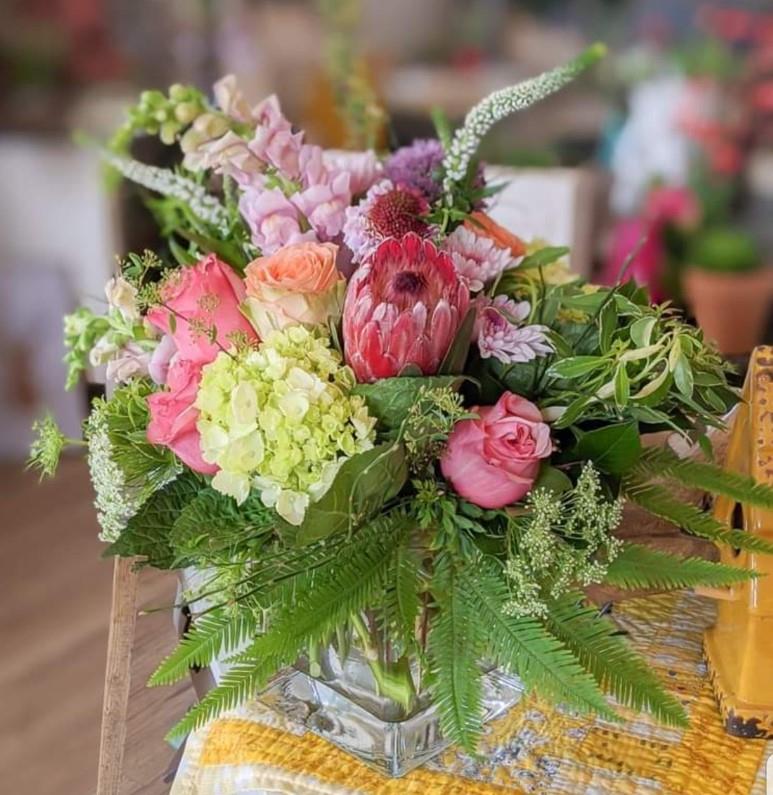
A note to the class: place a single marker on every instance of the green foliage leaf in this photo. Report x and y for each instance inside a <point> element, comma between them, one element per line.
<point>350,581</point>
<point>239,683</point>
<point>391,398</point>
<point>641,330</point>
<point>456,357</point>
<point>407,567</point>
<point>212,525</point>
<point>553,480</point>
<point>209,637</point>
<point>526,647</point>
<point>147,532</point>
<point>658,501</point>
<point>640,567</point>
<point>543,256</point>
<point>662,463</point>
<point>614,449</point>
<point>456,642</point>
<point>605,653</point>
<point>576,366</point>
<point>363,484</point>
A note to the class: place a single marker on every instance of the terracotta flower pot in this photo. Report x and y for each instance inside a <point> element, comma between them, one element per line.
<point>731,308</point>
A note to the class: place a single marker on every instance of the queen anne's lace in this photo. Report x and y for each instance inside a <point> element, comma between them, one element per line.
<point>114,501</point>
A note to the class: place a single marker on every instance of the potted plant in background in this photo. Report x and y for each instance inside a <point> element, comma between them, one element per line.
<point>728,288</point>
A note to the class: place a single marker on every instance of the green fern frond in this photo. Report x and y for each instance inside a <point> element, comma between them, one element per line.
<point>456,644</point>
<point>310,613</point>
<point>237,685</point>
<point>525,647</point>
<point>617,668</point>
<point>209,637</point>
<point>661,463</point>
<point>406,590</point>
<point>657,500</point>
<point>639,567</point>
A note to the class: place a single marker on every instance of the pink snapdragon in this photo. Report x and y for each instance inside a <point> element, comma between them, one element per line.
<point>273,219</point>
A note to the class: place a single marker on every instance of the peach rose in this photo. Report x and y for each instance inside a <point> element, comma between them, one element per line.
<point>493,460</point>
<point>298,284</point>
<point>485,226</point>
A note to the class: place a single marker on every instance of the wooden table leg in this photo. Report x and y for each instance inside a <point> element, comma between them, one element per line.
<point>123,618</point>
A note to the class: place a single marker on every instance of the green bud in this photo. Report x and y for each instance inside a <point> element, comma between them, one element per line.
<point>186,112</point>
<point>169,132</point>
<point>161,115</point>
<point>178,92</point>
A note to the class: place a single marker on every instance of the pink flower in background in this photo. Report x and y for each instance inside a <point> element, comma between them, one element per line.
<point>403,307</point>
<point>273,219</point>
<point>388,211</point>
<point>202,297</point>
<point>173,416</point>
<point>500,334</point>
<point>364,168</point>
<point>648,265</point>
<point>493,460</point>
<point>479,259</point>
<point>324,206</point>
<point>675,205</point>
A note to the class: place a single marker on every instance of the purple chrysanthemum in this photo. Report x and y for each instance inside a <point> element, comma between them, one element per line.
<point>418,166</point>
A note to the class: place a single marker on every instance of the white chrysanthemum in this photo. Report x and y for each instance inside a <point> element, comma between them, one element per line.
<point>475,257</point>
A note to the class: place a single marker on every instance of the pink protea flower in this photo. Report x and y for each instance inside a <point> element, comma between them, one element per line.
<point>403,307</point>
<point>387,210</point>
<point>479,259</point>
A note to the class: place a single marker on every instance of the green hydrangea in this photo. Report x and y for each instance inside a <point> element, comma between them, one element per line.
<point>280,418</point>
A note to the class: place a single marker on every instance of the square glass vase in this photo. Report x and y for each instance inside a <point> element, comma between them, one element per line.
<point>342,703</point>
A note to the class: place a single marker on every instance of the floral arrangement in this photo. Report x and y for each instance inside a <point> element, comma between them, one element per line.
<point>368,411</point>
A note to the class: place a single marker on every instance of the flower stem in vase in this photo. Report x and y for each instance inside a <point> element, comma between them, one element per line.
<point>393,680</point>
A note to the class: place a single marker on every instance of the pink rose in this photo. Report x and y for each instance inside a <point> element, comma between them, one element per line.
<point>203,297</point>
<point>173,416</point>
<point>493,461</point>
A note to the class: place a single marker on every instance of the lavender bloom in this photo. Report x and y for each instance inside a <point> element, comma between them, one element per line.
<point>418,166</point>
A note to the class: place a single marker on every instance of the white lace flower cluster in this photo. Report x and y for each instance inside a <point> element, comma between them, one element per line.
<point>566,541</point>
<point>114,501</point>
<point>500,104</point>
<point>167,183</point>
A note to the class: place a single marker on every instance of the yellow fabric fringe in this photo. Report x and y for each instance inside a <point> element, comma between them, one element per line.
<point>536,748</point>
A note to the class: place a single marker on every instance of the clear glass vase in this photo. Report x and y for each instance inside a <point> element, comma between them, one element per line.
<point>374,708</point>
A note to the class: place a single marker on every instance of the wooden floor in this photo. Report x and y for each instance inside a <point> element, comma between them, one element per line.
<point>54,611</point>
